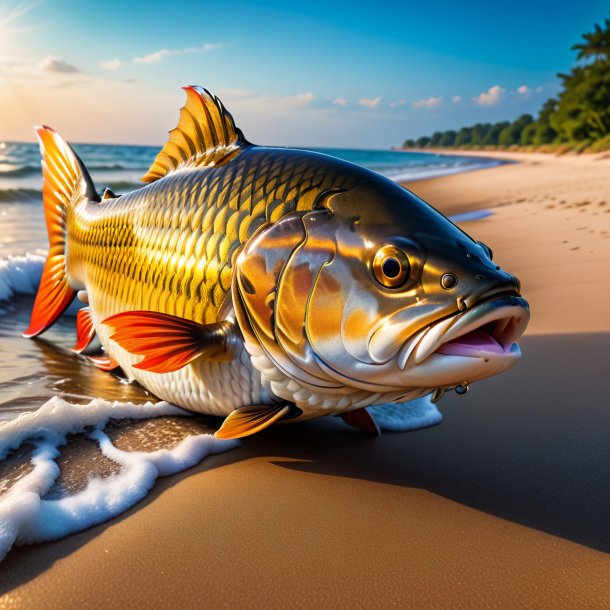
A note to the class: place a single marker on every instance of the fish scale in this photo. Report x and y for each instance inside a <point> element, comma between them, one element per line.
<point>169,247</point>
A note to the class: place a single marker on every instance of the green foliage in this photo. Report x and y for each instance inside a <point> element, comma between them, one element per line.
<point>447,139</point>
<point>596,43</point>
<point>583,109</point>
<point>577,120</point>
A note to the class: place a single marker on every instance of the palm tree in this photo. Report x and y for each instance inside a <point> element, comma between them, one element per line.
<point>597,43</point>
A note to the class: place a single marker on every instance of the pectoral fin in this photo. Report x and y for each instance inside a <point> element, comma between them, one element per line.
<point>169,343</point>
<point>249,420</point>
<point>361,419</point>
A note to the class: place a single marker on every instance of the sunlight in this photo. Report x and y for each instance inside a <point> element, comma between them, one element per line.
<point>9,14</point>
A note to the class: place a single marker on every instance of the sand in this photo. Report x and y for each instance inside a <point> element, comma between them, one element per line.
<point>504,505</point>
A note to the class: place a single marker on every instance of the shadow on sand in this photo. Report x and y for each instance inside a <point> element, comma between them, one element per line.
<point>531,446</point>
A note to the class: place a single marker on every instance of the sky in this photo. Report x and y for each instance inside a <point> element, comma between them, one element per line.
<point>321,73</point>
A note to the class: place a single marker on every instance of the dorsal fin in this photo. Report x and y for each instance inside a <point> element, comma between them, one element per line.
<point>205,135</point>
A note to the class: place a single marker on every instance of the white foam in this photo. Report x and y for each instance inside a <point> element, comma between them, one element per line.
<point>25,517</point>
<point>400,417</point>
<point>20,274</point>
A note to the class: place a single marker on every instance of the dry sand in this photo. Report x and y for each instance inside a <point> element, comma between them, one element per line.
<point>504,505</point>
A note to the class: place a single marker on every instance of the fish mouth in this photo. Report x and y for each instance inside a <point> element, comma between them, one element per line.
<point>488,330</point>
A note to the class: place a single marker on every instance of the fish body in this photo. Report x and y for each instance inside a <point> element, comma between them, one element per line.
<point>271,283</point>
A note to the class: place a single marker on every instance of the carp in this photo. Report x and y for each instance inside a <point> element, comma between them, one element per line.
<point>269,284</point>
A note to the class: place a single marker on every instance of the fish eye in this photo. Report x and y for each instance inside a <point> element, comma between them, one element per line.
<point>487,249</point>
<point>391,266</point>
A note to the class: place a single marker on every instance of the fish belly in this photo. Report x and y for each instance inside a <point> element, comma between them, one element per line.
<point>213,388</point>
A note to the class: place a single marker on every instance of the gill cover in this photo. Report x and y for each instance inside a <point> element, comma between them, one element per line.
<point>274,278</point>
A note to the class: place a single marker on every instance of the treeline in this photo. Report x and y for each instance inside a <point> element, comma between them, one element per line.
<point>579,119</point>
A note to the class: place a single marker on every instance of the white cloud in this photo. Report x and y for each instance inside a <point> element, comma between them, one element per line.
<point>491,97</point>
<point>456,99</point>
<point>398,103</point>
<point>111,64</point>
<point>523,90</point>
<point>370,103</point>
<point>57,66</point>
<point>157,56</point>
<point>431,102</point>
<point>340,101</point>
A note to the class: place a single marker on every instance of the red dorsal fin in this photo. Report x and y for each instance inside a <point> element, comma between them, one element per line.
<point>361,419</point>
<point>65,183</point>
<point>84,330</point>
<point>167,342</point>
<point>249,420</point>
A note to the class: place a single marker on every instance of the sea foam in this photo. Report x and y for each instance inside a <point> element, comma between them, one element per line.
<point>27,517</point>
<point>20,274</point>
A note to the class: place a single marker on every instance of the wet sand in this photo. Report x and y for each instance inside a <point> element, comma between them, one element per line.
<point>505,505</point>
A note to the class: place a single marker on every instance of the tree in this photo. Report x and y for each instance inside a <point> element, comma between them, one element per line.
<point>528,135</point>
<point>596,44</point>
<point>447,139</point>
<point>583,108</point>
<point>436,138</point>
<point>423,142</point>
<point>511,134</point>
<point>409,144</point>
<point>544,133</point>
<point>492,136</point>
<point>463,137</point>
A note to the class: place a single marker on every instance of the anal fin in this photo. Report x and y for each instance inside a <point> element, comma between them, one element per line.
<point>105,363</point>
<point>361,419</point>
<point>250,420</point>
<point>169,343</point>
<point>84,330</point>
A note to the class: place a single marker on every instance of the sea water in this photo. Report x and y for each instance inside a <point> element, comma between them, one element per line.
<point>59,395</point>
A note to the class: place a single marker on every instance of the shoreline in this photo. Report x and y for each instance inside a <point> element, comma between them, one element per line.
<point>504,504</point>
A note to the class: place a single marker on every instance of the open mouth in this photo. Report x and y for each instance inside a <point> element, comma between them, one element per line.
<point>488,330</point>
<point>488,339</point>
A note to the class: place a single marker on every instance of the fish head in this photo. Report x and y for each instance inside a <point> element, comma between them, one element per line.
<point>376,290</point>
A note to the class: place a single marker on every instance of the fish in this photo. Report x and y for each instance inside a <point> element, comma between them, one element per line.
<point>269,285</point>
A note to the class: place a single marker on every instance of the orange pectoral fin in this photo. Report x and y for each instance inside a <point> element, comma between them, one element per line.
<point>361,419</point>
<point>249,420</point>
<point>169,343</point>
<point>84,330</point>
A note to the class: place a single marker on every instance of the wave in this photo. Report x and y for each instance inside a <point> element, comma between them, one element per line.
<point>36,506</point>
<point>20,274</point>
<point>19,194</point>
<point>31,170</point>
<point>419,173</point>
<point>20,170</point>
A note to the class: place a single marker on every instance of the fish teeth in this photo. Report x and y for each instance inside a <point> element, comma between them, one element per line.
<point>407,349</point>
<point>432,340</point>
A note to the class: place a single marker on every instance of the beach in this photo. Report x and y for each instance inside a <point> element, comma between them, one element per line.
<point>506,504</point>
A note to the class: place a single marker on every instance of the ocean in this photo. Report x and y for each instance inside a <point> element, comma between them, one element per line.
<point>45,381</point>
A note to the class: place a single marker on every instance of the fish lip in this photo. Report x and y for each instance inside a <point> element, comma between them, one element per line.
<point>509,315</point>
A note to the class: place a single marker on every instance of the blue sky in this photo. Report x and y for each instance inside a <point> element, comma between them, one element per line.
<point>301,73</point>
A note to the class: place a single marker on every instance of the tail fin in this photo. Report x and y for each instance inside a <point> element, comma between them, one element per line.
<point>65,183</point>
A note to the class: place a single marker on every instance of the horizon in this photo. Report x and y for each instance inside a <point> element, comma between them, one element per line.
<point>337,89</point>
